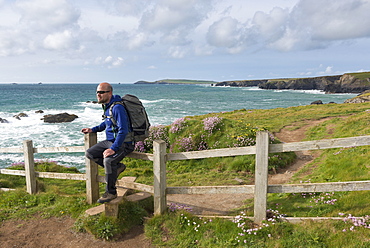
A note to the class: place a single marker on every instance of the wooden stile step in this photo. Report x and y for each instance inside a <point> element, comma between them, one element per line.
<point>111,208</point>
<point>138,196</point>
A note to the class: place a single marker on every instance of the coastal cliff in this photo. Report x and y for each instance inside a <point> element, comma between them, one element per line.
<point>346,83</point>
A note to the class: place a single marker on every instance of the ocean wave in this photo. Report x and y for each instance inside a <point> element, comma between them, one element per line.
<point>315,92</point>
<point>253,88</point>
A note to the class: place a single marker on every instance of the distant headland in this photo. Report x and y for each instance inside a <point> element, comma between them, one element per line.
<point>346,83</point>
<point>178,81</point>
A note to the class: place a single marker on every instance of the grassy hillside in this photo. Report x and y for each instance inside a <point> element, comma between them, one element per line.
<point>183,81</point>
<point>236,128</point>
<point>360,75</point>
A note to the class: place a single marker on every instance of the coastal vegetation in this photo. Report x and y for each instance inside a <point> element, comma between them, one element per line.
<point>346,83</point>
<point>177,81</point>
<point>180,228</point>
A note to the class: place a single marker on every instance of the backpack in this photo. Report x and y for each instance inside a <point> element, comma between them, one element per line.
<point>137,115</point>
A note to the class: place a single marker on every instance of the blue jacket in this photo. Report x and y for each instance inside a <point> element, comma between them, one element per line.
<point>115,134</point>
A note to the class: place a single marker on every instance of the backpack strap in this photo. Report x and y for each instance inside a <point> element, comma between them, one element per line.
<point>111,112</point>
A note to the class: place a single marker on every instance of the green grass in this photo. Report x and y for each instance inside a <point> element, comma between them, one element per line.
<point>67,197</point>
<point>360,75</point>
<point>181,229</point>
<point>185,81</point>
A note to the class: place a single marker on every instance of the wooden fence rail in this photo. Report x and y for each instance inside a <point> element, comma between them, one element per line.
<point>160,157</point>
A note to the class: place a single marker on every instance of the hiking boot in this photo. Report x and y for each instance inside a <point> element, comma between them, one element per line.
<point>107,197</point>
<point>121,168</point>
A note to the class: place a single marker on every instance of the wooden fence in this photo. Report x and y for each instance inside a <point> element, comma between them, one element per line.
<point>160,157</point>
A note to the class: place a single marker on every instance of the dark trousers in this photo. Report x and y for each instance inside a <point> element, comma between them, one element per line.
<point>110,164</point>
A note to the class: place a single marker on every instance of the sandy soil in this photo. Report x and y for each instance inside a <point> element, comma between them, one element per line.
<point>58,232</point>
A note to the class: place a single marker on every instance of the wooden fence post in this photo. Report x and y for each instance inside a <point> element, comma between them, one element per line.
<point>29,167</point>
<point>261,176</point>
<point>159,169</point>
<point>92,184</point>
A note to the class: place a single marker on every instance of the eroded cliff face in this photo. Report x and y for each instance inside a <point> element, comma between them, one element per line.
<point>330,84</point>
<point>363,97</point>
<point>351,84</point>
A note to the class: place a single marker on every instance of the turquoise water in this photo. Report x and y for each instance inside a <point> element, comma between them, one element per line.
<point>164,104</point>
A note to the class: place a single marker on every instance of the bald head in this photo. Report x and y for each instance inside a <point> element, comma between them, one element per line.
<point>104,92</point>
<point>105,87</point>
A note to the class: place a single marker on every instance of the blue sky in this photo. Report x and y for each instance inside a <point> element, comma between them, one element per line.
<point>132,40</point>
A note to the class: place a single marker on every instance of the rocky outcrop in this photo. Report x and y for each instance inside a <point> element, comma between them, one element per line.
<point>317,102</point>
<point>3,120</point>
<point>327,84</point>
<point>351,84</point>
<point>347,83</point>
<point>242,83</point>
<point>58,118</point>
<point>363,97</point>
<point>18,116</point>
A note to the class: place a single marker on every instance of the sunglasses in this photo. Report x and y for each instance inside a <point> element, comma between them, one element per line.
<point>102,91</point>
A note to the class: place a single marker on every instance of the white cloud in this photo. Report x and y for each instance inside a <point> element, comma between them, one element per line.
<point>47,15</point>
<point>137,41</point>
<point>60,41</point>
<point>109,61</point>
<point>271,26</point>
<point>334,19</point>
<point>177,52</point>
<point>224,33</point>
<point>118,62</point>
<point>315,26</point>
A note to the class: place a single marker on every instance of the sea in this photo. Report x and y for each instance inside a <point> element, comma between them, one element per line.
<point>164,104</point>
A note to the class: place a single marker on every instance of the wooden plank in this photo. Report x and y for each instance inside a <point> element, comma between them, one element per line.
<point>159,170</point>
<point>29,166</point>
<point>124,180</point>
<point>320,187</point>
<point>70,176</point>
<point>13,172</point>
<point>140,155</point>
<point>300,219</point>
<point>11,150</point>
<point>226,152</point>
<point>95,210</point>
<point>59,149</point>
<point>237,189</point>
<point>6,189</point>
<point>138,196</point>
<point>321,144</point>
<point>136,186</point>
<point>92,185</point>
<point>261,176</point>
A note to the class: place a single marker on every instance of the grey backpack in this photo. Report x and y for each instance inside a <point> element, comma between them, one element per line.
<point>137,115</point>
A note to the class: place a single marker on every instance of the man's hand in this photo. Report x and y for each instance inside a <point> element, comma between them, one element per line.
<point>86,130</point>
<point>108,152</point>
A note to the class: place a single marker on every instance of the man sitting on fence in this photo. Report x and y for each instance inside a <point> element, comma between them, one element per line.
<point>110,152</point>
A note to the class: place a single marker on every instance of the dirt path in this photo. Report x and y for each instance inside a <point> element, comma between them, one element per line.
<point>57,232</point>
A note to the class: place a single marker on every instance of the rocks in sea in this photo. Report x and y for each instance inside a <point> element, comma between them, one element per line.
<point>317,102</point>
<point>39,111</point>
<point>363,97</point>
<point>91,102</point>
<point>58,118</point>
<point>3,120</point>
<point>18,116</point>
